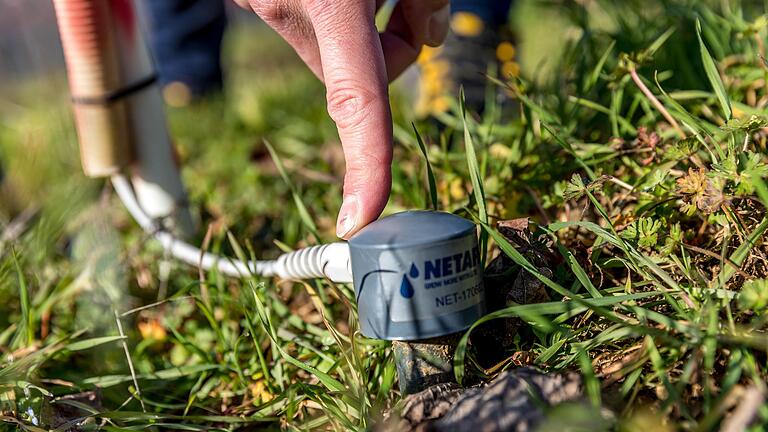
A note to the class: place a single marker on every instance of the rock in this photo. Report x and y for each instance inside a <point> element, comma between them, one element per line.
<point>515,401</point>
<point>420,409</point>
<point>507,284</point>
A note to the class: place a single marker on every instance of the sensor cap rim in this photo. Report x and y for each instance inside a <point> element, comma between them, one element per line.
<point>410,229</point>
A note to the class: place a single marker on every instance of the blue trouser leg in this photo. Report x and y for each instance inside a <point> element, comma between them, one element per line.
<point>493,12</point>
<point>186,36</point>
<point>186,40</point>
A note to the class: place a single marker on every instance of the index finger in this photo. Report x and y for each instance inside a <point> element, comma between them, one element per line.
<point>356,82</point>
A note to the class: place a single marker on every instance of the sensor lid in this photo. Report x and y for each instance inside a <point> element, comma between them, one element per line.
<point>411,228</point>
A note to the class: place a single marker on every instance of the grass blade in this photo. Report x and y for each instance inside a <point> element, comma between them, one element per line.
<point>591,383</point>
<point>568,148</point>
<point>91,343</point>
<point>303,212</point>
<point>474,166</point>
<point>661,40</point>
<point>714,75</point>
<point>742,252</point>
<point>577,270</point>
<point>475,175</point>
<point>105,381</point>
<point>27,317</point>
<point>430,173</point>
<point>593,77</point>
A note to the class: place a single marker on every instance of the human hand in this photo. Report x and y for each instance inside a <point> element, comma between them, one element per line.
<point>339,42</point>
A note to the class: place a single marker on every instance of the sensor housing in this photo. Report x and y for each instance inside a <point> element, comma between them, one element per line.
<point>417,275</point>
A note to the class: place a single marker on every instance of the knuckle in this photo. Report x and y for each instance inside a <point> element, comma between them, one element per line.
<point>325,8</point>
<point>371,164</point>
<point>273,12</point>
<point>317,6</point>
<point>350,104</point>
<point>335,12</point>
<point>366,169</point>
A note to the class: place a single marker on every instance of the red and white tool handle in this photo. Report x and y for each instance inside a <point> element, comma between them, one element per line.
<point>119,111</point>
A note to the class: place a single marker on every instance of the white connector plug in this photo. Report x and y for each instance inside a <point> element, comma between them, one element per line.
<point>329,261</point>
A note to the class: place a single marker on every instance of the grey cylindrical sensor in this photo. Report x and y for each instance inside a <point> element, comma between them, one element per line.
<point>417,275</point>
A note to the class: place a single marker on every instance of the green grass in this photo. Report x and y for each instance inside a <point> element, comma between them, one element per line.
<point>638,152</point>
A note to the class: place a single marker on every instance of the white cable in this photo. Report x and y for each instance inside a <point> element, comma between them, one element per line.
<point>330,261</point>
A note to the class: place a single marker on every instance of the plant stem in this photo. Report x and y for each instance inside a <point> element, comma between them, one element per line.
<point>130,362</point>
<point>671,120</point>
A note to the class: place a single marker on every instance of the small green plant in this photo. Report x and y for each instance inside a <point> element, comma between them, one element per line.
<point>754,295</point>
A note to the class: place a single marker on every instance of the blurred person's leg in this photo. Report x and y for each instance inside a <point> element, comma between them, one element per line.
<point>479,36</point>
<point>186,38</point>
<point>495,13</point>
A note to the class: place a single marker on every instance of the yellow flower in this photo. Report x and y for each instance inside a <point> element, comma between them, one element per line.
<point>456,189</point>
<point>153,330</point>
<point>467,24</point>
<point>260,392</point>
<point>505,52</point>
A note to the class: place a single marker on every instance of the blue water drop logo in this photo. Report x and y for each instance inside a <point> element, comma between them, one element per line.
<point>414,271</point>
<point>406,288</point>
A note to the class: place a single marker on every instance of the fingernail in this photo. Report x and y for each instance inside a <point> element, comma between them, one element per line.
<point>347,216</point>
